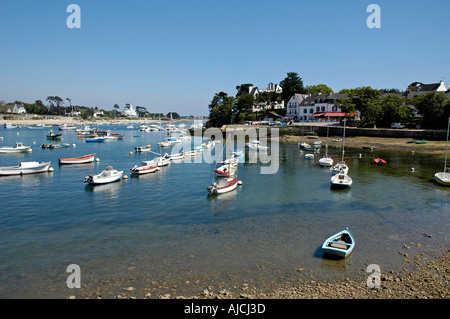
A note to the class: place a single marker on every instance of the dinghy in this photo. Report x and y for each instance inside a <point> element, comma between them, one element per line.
<point>25,168</point>
<point>340,244</point>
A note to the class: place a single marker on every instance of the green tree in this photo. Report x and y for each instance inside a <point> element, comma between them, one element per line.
<point>319,88</point>
<point>433,107</point>
<point>291,84</point>
<point>221,109</point>
<point>394,109</point>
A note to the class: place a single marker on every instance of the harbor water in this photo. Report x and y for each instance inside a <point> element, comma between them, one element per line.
<point>162,230</point>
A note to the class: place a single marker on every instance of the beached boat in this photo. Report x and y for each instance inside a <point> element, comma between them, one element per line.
<point>143,148</point>
<point>340,244</point>
<point>78,160</point>
<point>97,139</point>
<point>443,177</point>
<point>341,180</point>
<point>147,167</point>
<point>18,148</point>
<point>379,161</point>
<point>25,168</point>
<point>108,175</point>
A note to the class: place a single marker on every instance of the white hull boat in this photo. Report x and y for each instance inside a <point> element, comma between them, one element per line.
<point>78,160</point>
<point>341,180</point>
<point>25,168</point>
<point>443,178</point>
<point>223,185</point>
<point>108,175</point>
<point>341,166</point>
<point>148,167</point>
<point>326,161</point>
<point>19,148</point>
<point>176,156</point>
<point>143,148</point>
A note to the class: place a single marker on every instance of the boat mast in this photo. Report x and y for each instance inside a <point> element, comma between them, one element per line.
<point>343,142</point>
<point>446,146</point>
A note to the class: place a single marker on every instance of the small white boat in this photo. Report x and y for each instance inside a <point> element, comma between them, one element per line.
<point>25,168</point>
<point>165,143</point>
<point>256,146</point>
<point>78,160</point>
<point>148,167</point>
<point>309,156</point>
<point>176,156</point>
<point>341,180</point>
<point>340,244</point>
<point>162,160</point>
<point>191,153</point>
<point>10,125</point>
<point>108,175</point>
<point>326,161</point>
<point>67,127</point>
<point>143,148</point>
<point>19,148</point>
<point>223,185</point>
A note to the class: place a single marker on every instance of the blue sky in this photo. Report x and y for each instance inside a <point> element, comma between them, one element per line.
<point>175,55</point>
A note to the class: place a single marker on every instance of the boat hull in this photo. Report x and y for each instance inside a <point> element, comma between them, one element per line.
<point>326,161</point>
<point>78,160</point>
<point>341,181</point>
<point>14,149</point>
<point>145,169</point>
<point>25,168</point>
<point>223,186</point>
<point>102,179</point>
<point>442,178</point>
<point>339,245</point>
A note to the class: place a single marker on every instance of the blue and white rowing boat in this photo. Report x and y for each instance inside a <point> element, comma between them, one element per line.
<point>340,244</point>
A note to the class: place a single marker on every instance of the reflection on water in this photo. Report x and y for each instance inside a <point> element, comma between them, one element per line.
<point>166,224</point>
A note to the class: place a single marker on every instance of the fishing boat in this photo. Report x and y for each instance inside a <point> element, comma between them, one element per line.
<point>25,168</point>
<point>10,125</point>
<point>147,167</point>
<point>143,148</point>
<point>18,148</point>
<point>341,180</point>
<point>108,175</point>
<point>341,167</point>
<point>340,244</point>
<point>78,160</point>
<point>54,136</point>
<point>443,177</point>
<point>227,169</point>
<point>379,161</point>
<point>326,160</point>
<point>97,139</point>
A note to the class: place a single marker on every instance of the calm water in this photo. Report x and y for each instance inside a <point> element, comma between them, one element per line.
<point>163,228</point>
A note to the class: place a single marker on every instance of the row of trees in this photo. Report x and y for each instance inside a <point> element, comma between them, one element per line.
<point>433,108</point>
<point>380,107</point>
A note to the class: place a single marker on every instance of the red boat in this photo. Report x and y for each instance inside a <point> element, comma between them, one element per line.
<point>379,161</point>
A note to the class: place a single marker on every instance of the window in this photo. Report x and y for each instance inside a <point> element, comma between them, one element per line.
<point>311,111</point>
<point>323,109</point>
<point>317,109</point>
<point>305,111</point>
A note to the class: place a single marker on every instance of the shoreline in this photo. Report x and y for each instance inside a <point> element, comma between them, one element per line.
<point>424,276</point>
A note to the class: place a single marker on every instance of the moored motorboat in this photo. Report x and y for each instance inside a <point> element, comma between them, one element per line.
<point>18,148</point>
<point>59,145</point>
<point>25,168</point>
<point>108,175</point>
<point>147,167</point>
<point>78,160</point>
<point>340,244</point>
<point>52,135</point>
<point>143,148</point>
<point>223,185</point>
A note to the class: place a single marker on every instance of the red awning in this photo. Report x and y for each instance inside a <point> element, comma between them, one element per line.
<point>317,114</point>
<point>334,114</point>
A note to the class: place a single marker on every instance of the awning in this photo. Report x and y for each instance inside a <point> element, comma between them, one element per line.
<point>334,114</point>
<point>317,114</point>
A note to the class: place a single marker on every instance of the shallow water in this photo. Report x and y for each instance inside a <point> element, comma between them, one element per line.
<point>163,227</point>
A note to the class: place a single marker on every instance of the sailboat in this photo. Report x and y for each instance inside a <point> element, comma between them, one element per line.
<point>227,184</point>
<point>341,179</point>
<point>326,160</point>
<point>443,178</point>
<point>341,166</point>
